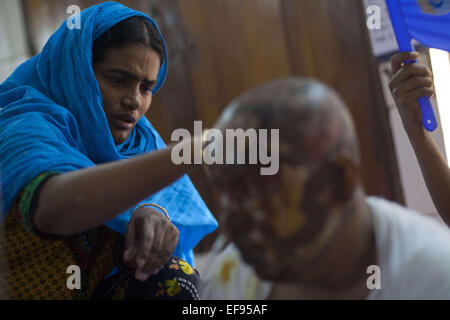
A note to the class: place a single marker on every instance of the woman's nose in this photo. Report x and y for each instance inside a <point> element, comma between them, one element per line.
<point>132,100</point>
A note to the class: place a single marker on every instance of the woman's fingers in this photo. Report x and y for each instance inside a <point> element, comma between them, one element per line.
<point>414,95</point>
<point>164,244</point>
<point>146,238</point>
<point>412,84</point>
<point>130,248</point>
<point>166,248</point>
<point>152,260</point>
<point>398,59</point>
<point>408,71</point>
<point>163,247</point>
<point>154,239</point>
<point>159,259</point>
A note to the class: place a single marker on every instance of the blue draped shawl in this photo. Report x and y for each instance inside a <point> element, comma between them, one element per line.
<point>52,119</point>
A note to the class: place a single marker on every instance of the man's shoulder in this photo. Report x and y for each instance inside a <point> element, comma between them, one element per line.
<point>398,215</point>
<point>414,251</point>
<point>393,221</point>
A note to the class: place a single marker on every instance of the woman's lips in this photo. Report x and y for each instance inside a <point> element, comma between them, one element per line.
<point>122,124</point>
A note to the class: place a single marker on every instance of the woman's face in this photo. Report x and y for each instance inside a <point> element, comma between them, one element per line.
<point>126,77</point>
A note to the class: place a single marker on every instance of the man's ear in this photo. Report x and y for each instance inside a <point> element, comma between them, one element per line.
<point>344,176</point>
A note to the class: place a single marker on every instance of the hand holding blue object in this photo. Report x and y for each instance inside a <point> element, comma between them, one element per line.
<point>430,28</point>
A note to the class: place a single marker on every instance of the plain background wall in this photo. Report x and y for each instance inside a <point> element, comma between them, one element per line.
<point>13,44</point>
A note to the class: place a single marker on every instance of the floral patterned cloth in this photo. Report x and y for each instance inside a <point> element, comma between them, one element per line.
<point>177,280</point>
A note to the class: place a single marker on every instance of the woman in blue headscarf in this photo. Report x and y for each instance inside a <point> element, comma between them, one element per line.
<point>86,180</point>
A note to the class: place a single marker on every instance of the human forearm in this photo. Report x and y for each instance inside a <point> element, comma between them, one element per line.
<point>81,200</point>
<point>411,81</point>
<point>434,170</point>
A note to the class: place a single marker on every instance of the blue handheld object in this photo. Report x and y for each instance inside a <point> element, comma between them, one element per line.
<point>404,40</point>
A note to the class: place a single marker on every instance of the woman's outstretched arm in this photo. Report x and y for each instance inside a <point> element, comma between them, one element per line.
<point>77,201</point>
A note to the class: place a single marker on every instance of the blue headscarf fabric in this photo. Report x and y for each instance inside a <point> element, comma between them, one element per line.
<point>52,119</point>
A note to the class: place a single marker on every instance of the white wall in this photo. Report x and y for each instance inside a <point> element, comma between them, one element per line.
<point>13,45</point>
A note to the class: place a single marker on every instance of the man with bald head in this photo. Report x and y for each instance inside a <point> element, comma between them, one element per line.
<point>310,231</point>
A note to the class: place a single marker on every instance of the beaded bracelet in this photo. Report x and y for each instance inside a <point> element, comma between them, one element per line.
<point>156,206</point>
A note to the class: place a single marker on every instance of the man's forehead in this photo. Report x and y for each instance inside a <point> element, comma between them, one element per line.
<point>240,175</point>
<point>234,119</point>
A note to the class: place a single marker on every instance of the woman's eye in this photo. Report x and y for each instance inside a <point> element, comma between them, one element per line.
<point>146,89</point>
<point>117,80</point>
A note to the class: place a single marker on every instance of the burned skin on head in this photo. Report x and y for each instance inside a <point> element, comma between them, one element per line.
<point>285,204</point>
<point>294,209</point>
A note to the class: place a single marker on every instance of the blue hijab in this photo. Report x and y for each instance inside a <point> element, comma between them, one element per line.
<point>52,119</point>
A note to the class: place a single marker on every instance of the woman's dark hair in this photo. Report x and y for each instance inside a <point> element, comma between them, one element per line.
<point>134,30</point>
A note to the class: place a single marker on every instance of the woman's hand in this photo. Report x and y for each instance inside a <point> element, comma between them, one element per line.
<point>410,82</point>
<point>150,240</point>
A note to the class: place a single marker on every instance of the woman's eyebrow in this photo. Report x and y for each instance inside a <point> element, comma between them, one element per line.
<point>133,76</point>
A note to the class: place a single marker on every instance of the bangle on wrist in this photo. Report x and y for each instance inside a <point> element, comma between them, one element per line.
<point>156,206</point>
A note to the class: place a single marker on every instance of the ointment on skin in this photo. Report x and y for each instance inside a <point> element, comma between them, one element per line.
<point>288,218</point>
